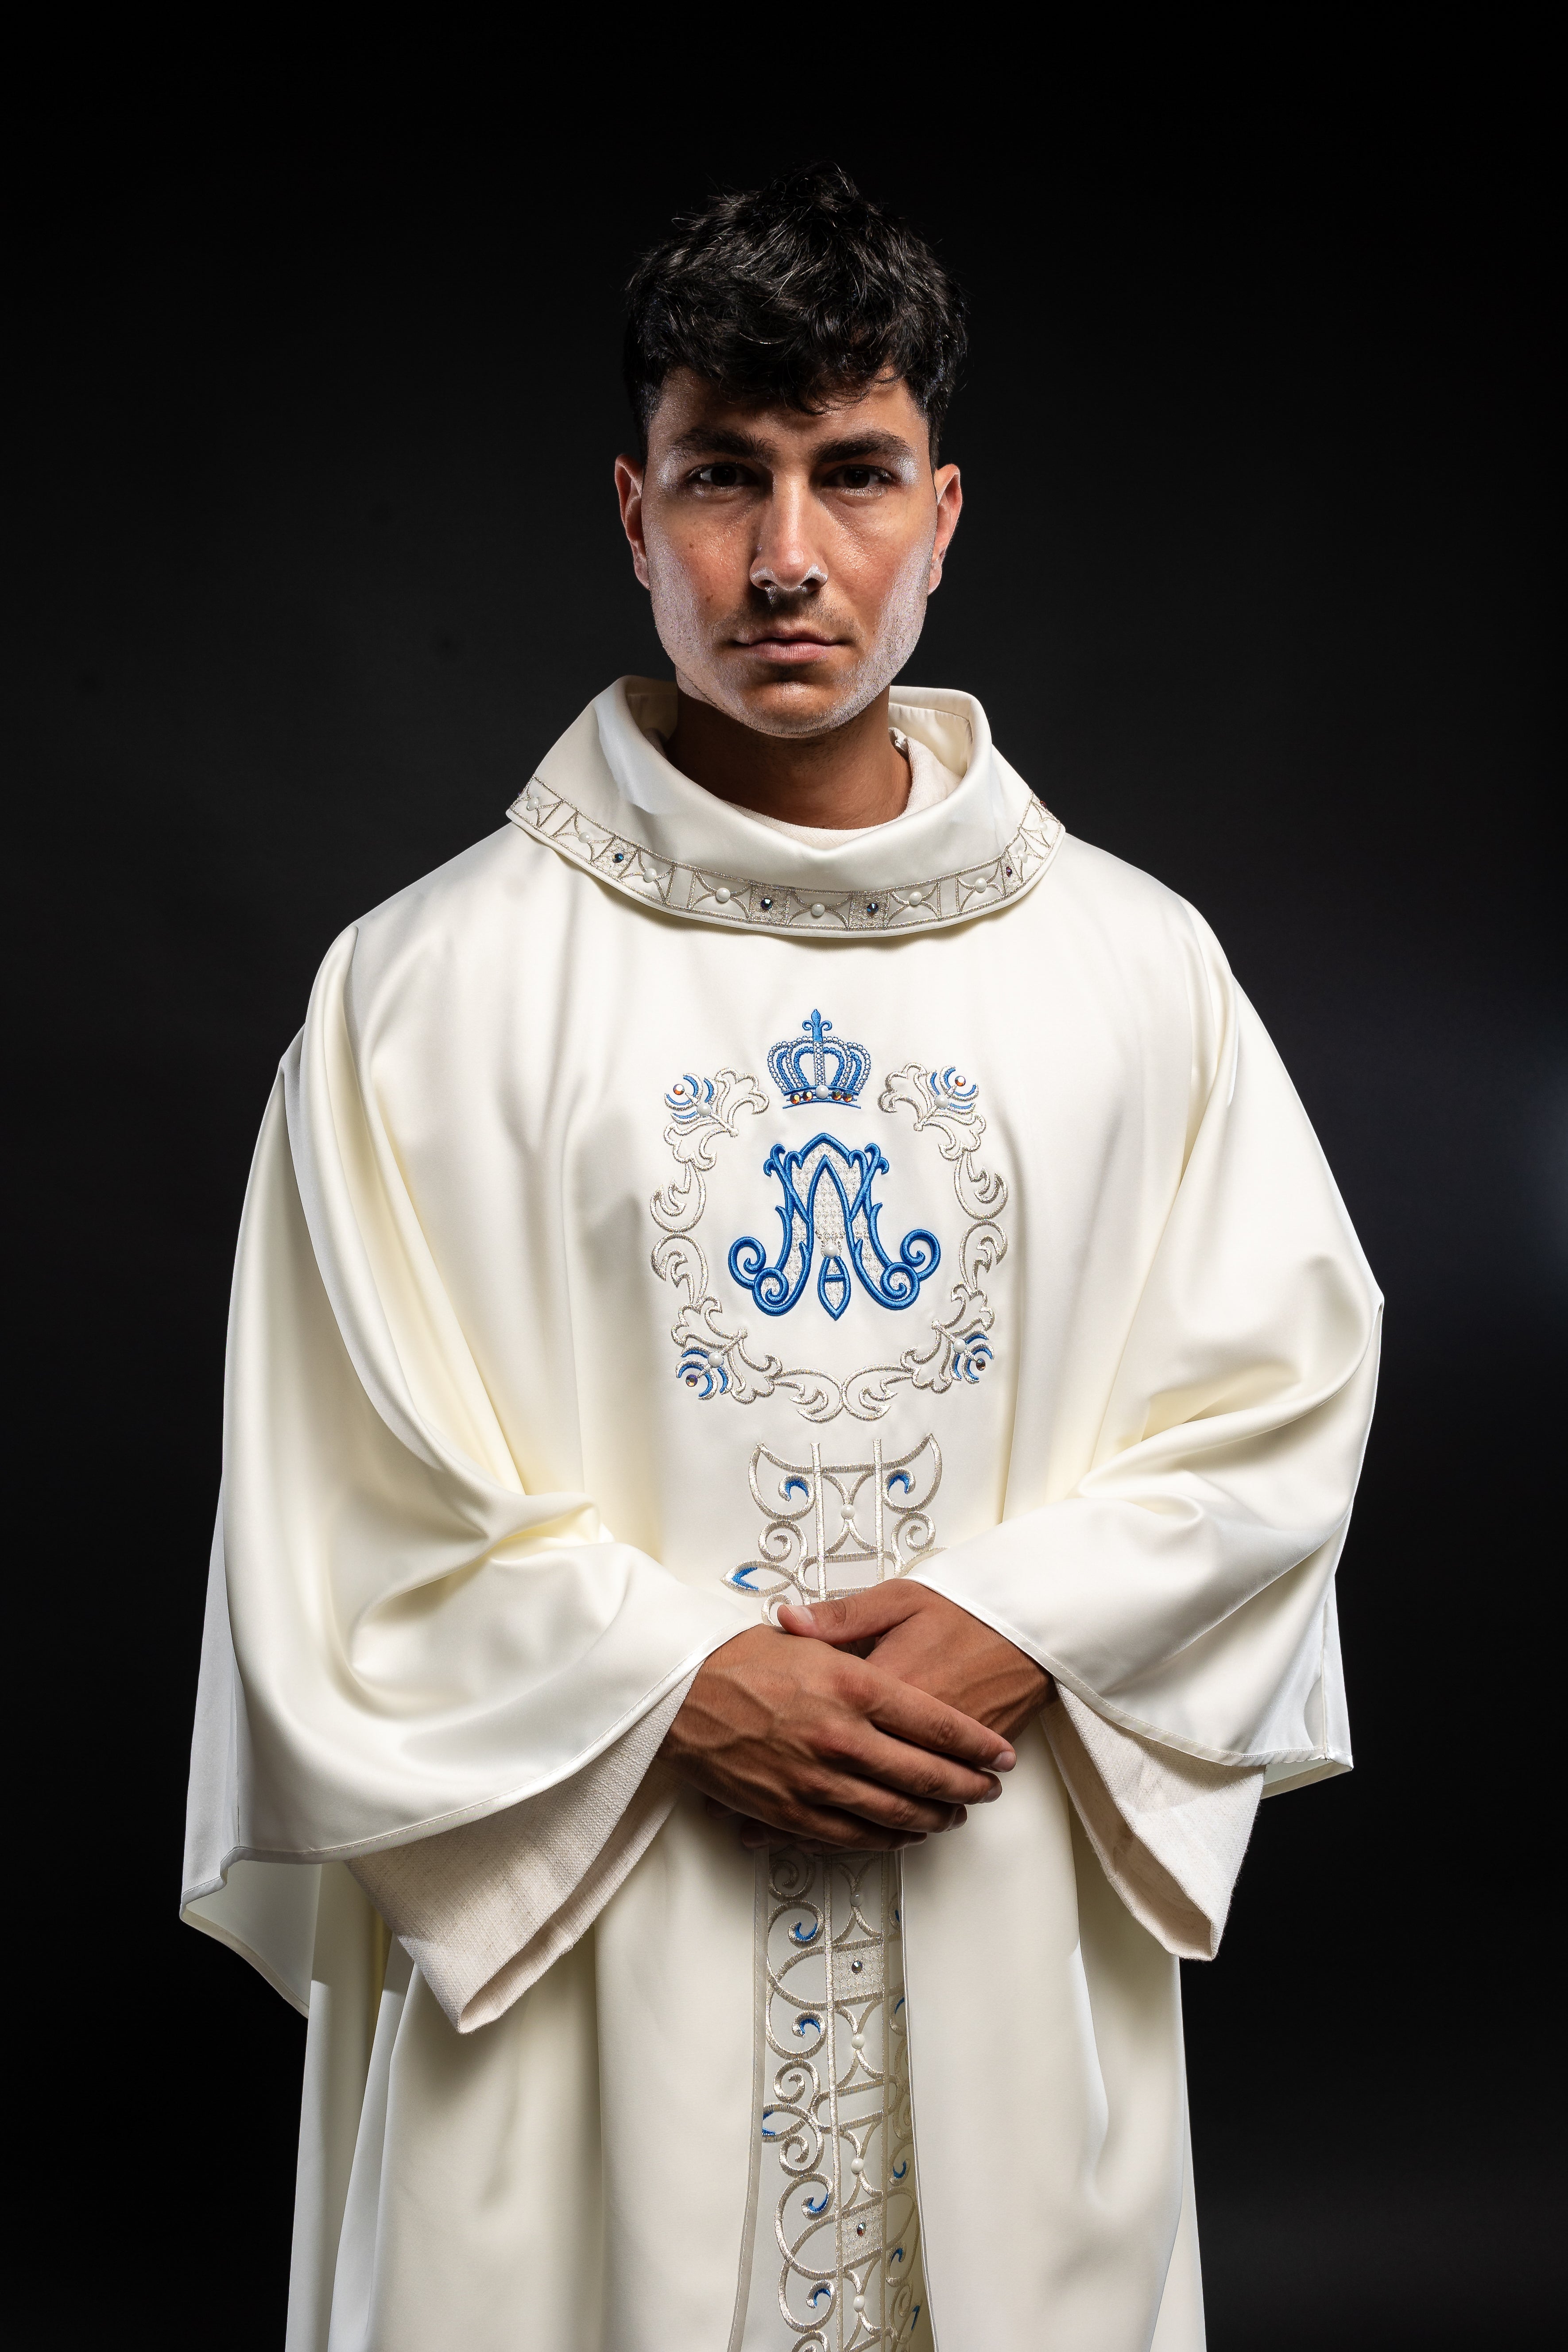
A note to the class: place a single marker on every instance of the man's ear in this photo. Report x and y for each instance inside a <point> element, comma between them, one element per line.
<point>949,491</point>
<point>629,473</point>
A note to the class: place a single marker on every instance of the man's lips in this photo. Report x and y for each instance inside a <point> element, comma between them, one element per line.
<point>789,650</point>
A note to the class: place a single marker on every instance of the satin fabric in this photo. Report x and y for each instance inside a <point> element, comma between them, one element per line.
<point>478,1515</point>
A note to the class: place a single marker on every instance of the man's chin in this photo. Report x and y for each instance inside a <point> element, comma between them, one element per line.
<point>799,706</point>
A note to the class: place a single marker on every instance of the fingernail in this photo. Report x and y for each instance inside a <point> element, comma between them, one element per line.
<point>1005,1762</point>
<point>992,1794</point>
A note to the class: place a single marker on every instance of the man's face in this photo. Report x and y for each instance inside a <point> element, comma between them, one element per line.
<point>789,557</point>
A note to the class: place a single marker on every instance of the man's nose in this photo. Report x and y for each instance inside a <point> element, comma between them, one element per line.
<point>784,561</point>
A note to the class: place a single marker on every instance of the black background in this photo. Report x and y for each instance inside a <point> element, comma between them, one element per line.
<point>312,551</point>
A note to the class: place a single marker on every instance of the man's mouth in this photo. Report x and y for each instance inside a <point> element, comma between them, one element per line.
<point>789,648</point>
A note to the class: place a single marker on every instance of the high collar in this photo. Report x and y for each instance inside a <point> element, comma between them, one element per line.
<point>608,799</point>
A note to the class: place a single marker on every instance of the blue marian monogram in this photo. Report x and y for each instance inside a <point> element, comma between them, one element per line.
<point>829,1213</point>
<point>829,1222</point>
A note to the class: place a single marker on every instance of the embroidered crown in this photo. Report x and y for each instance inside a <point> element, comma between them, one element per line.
<point>817,1068</point>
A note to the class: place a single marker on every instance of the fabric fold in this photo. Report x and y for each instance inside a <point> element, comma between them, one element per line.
<point>485,1909</point>
<point>404,1636</point>
<point>1182,1587</point>
<point>1170,1831</point>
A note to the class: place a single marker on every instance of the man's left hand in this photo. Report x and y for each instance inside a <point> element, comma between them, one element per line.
<point>928,1640</point>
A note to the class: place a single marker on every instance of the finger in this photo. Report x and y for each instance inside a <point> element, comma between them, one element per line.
<point>863,1838</point>
<point>832,1796</point>
<point>913,1715</point>
<point>865,1841</point>
<point>824,1832</point>
<point>912,1771</point>
<point>868,1801</point>
<point>855,1616</point>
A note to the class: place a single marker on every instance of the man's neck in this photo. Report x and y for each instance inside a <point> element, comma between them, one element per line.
<point>843,782</point>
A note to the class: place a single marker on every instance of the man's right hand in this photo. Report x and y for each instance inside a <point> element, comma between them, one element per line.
<point>813,1746</point>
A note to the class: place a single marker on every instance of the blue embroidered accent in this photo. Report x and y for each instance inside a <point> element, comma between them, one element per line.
<point>848,1215</point>
<point>954,1085</point>
<point>900,1478</point>
<point>899,2172</point>
<point>796,1486</point>
<point>807,1936</point>
<point>805,2021</point>
<point>707,1374</point>
<point>740,1578</point>
<point>818,2292</point>
<point>801,1070</point>
<point>971,1355</point>
<point>691,1099</point>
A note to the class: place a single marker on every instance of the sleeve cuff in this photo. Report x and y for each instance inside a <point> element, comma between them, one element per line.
<point>1170,1830</point>
<point>485,1909</point>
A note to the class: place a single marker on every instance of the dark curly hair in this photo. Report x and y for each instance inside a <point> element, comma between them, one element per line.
<point>803,293</point>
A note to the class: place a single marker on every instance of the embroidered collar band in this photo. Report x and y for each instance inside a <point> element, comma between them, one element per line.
<point>607,799</point>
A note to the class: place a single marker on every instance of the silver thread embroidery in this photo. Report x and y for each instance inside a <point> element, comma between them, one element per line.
<point>836,1526</point>
<point>837,2174</point>
<point>839,2168</point>
<point>748,904</point>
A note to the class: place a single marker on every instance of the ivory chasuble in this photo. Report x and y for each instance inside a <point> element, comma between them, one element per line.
<point>663,1214</point>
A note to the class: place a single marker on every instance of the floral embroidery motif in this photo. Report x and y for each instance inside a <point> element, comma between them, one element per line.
<point>814,1545</point>
<point>712,1356</point>
<point>836,2127</point>
<point>748,904</point>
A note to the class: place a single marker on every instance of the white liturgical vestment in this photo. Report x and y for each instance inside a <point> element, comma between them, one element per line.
<point>662,1214</point>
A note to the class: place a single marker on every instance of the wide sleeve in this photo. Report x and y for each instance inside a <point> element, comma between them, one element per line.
<point>1170,1830</point>
<point>485,1909</point>
<point>1182,1592</point>
<point>403,1639</point>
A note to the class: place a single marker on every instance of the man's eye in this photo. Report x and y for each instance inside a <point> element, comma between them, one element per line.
<point>723,475</point>
<point>858,478</point>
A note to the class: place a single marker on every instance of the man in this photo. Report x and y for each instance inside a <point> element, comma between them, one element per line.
<point>792,1685</point>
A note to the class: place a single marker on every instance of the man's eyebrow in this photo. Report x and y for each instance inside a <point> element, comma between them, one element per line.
<point>719,441</point>
<point>730,441</point>
<point>858,446</point>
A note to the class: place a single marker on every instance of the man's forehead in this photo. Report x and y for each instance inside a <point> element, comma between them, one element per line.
<point>694,412</point>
